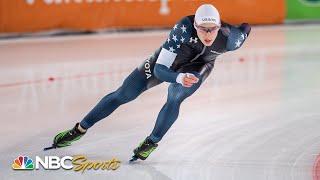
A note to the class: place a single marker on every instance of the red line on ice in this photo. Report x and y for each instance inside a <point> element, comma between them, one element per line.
<point>52,79</point>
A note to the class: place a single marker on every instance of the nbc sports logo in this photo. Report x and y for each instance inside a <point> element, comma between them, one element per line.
<point>49,162</point>
<point>77,163</point>
<point>23,163</point>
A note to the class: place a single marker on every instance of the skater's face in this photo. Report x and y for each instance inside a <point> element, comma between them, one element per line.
<point>207,32</point>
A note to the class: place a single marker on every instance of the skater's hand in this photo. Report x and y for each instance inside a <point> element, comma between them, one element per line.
<point>187,79</point>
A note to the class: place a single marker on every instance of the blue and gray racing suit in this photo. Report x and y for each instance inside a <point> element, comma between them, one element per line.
<point>182,52</point>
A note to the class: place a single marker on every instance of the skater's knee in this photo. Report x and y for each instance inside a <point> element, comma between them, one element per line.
<point>174,102</point>
<point>176,95</point>
<point>125,95</point>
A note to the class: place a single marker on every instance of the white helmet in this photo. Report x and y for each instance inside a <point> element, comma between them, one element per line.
<point>207,13</point>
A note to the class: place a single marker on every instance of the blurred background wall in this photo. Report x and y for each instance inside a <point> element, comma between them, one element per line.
<point>25,16</point>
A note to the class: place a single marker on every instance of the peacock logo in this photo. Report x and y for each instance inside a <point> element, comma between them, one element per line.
<point>23,163</point>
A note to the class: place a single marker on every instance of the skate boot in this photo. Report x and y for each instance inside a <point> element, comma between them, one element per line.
<point>144,150</point>
<point>65,138</point>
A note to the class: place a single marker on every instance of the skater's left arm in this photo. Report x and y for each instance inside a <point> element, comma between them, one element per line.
<point>236,35</point>
<point>164,73</point>
<point>170,50</point>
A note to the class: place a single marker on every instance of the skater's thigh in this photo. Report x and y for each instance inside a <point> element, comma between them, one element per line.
<point>134,83</point>
<point>179,92</point>
<point>201,71</point>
